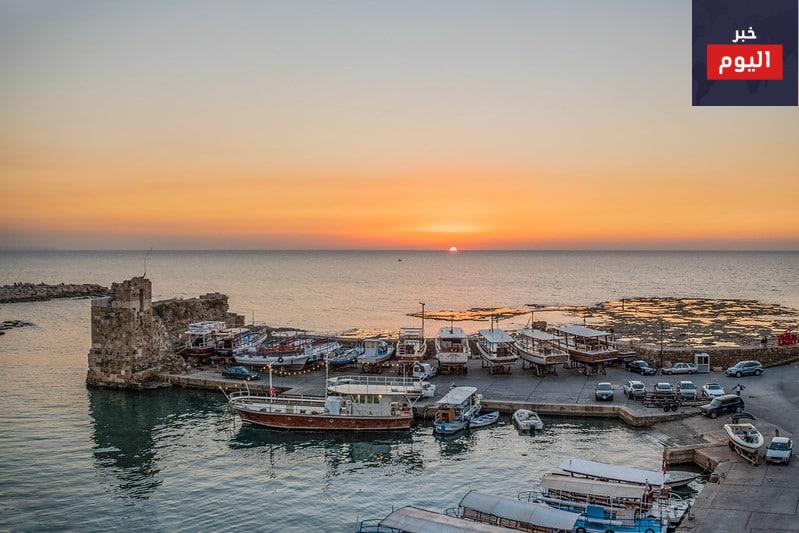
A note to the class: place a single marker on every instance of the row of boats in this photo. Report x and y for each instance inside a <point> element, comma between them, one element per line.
<point>584,496</point>
<point>498,348</point>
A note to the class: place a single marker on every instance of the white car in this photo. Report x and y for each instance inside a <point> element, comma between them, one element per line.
<point>711,390</point>
<point>423,371</point>
<point>633,389</point>
<point>664,388</point>
<point>687,390</point>
<point>779,450</point>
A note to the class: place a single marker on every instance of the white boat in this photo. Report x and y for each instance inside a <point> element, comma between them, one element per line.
<point>410,518</point>
<point>515,514</point>
<point>452,349</point>
<point>496,349</point>
<point>482,421</point>
<point>366,384</point>
<point>744,436</point>
<point>526,420</point>
<point>626,474</point>
<point>411,346</point>
<point>456,409</point>
<point>375,351</point>
<point>538,347</point>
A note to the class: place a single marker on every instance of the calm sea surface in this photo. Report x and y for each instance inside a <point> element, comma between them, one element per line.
<point>71,458</point>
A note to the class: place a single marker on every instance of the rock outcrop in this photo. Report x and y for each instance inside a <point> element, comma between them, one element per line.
<point>34,292</point>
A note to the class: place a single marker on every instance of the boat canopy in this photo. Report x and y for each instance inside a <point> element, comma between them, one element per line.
<point>496,336</point>
<point>536,514</point>
<point>457,396</point>
<point>582,331</point>
<point>410,518</point>
<point>538,334</point>
<point>592,487</point>
<point>411,332</point>
<point>613,472</point>
<point>451,333</point>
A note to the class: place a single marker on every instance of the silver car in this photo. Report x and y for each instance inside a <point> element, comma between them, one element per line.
<point>604,391</point>
<point>687,390</point>
<point>680,368</point>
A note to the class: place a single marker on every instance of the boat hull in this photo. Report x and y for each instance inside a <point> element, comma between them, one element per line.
<point>539,358</point>
<point>325,422</point>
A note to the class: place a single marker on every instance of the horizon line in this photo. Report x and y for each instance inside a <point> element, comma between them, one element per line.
<point>393,250</point>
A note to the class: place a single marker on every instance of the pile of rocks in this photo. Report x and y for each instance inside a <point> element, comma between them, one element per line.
<point>34,292</point>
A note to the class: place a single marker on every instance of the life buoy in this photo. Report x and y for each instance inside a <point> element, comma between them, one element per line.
<point>580,530</point>
<point>280,359</point>
<point>649,530</point>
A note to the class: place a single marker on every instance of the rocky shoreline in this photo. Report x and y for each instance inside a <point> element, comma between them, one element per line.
<point>37,292</point>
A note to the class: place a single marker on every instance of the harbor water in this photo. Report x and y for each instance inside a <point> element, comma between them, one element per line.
<point>72,458</point>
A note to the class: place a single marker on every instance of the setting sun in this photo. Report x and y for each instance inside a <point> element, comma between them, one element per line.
<point>453,249</point>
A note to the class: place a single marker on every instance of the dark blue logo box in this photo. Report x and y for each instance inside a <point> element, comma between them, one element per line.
<point>773,22</point>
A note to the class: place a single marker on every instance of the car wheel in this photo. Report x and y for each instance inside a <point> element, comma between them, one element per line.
<point>758,372</point>
<point>739,410</point>
<point>714,414</point>
<point>738,374</point>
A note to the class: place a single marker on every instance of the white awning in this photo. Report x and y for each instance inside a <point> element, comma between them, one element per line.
<point>538,334</point>
<point>457,396</point>
<point>613,472</point>
<point>592,487</point>
<point>416,520</point>
<point>495,335</point>
<point>582,331</point>
<point>536,514</point>
<point>451,333</point>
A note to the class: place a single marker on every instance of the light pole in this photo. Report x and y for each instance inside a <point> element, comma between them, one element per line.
<point>422,304</point>
<point>661,343</point>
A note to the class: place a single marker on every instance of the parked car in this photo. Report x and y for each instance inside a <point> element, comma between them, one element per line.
<point>745,368</point>
<point>711,390</point>
<point>687,390</point>
<point>634,389</point>
<point>729,403</point>
<point>423,371</point>
<point>779,450</point>
<point>604,391</point>
<point>239,372</point>
<point>664,388</point>
<point>641,367</point>
<point>680,368</point>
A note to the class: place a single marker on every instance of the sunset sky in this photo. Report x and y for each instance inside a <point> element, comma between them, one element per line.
<point>282,125</point>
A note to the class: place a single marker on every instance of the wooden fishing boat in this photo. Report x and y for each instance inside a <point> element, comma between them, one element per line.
<point>202,339</point>
<point>496,350</point>
<point>375,351</point>
<point>485,420</point>
<point>455,410</point>
<point>288,354</point>
<point>585,345</point>
<point>515,514</point>
<point>344,356</point>
<point>526,420</point>
<point>625,474</point>
<point>540,349</point>
<point>411,346</point>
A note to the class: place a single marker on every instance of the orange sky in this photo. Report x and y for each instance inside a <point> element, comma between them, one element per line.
<point>199,129</point>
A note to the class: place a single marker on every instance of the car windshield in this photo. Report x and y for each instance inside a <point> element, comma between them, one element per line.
<point>638,385</point>
<point>779,446</point>
<point>714,386</point>
<point>604,386</point>
<point>715,403</point>
<point>688,386</point>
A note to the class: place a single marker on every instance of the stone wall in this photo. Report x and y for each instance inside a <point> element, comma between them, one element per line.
<point>134,339</point>
<point>725,357</point>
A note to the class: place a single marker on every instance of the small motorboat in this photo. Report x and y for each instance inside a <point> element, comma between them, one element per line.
<point>744,436</point>
<point>344,356</point>
<point>526,420</point>
<point>484,420</point>
<point>450,428</point>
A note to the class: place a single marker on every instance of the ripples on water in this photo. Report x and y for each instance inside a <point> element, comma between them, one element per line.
<point>174,460</point>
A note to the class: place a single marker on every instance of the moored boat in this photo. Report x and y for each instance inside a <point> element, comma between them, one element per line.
<point>452,350</point>
<point>455,410</point>
<point>515,514</point>
<point>626,474</point>
<point>496,349</point>
<point>481,421</point>
<point>526,420</point>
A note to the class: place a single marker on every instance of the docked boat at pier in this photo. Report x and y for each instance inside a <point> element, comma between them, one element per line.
<point>527,420</point>
<point>626,474</point>
<point>452,350</point>
<point>540,349</point>
<point>496,350</point>
<point>587,346</point>
<point>350,407</point>
<point>411,346</point>
<point>288,354</point>
<point>456,409</point>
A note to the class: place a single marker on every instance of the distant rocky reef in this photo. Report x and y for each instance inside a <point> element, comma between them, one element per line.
<point>36,292</point>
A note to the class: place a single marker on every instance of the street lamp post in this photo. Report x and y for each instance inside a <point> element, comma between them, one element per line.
<point>422,304</point>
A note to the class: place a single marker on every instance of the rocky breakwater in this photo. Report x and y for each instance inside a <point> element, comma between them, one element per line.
<point>35,292</point>
<point>134,339</point>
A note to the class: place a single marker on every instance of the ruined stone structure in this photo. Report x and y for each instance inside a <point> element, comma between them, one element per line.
<point>134,339</point>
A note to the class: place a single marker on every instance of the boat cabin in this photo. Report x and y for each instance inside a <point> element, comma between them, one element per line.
<point>411,345</point>
<point>458,405</point>
<point>452,340</point>
<point>496,350</point>
<point>515,514</point>
<point>410,519</point>
<point>203,338</point>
